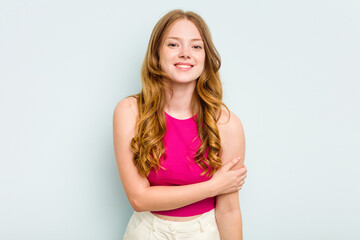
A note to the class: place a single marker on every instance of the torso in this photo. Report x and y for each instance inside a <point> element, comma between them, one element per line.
<point>221,124</point>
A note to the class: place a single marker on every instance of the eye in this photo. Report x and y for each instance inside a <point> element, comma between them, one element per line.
<point>172,44</point>
<point>197,47</point>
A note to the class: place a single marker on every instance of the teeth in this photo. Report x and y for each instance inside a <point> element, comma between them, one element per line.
<point>184,66</point>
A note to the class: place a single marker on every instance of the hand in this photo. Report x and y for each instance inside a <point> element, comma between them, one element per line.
<point>226,180</point>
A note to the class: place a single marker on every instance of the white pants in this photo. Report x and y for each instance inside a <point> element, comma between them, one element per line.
<point>147,226</point>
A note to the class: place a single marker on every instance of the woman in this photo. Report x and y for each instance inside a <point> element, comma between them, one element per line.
<point>179,150</point>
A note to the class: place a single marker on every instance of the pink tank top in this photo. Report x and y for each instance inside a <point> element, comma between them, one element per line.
<point>180,169</point>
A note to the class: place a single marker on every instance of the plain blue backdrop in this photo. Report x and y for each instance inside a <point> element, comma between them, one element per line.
<point>290,72</point>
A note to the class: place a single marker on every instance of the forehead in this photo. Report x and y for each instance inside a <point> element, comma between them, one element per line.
<point>183,28</point>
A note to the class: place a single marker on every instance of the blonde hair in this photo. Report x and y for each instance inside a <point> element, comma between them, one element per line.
<point>147,144</point>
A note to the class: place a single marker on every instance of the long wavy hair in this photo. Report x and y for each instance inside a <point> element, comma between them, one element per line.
<point>147,144</point>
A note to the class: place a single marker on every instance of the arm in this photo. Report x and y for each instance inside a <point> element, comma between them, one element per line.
<point>141,195</point>
<point>227,211</point>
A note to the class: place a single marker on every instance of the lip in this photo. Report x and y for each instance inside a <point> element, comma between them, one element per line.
<point>185,64</point>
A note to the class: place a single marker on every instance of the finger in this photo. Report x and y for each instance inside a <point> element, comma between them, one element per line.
<point>239,172</point>
<point>243,171</point>
<point>230,164</point>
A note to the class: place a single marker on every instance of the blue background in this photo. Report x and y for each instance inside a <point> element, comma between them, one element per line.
<point>290,72</point>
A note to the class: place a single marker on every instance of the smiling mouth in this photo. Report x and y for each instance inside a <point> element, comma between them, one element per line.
<point>183,67</point>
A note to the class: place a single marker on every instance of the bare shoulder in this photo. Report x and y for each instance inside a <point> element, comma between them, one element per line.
<point>229,122</point>
<point>232,136</point>
<point>127,105</point>
<point>125,111</point>
<point>124,120</point>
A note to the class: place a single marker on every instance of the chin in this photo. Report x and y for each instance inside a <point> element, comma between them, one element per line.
<point>183,80</point>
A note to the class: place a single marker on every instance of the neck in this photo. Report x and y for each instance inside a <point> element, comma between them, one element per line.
<point>182,101</point>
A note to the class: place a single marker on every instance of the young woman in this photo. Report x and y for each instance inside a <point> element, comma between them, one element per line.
<point>179,150</point>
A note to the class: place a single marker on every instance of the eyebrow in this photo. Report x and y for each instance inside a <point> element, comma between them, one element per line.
<point>194,39</point>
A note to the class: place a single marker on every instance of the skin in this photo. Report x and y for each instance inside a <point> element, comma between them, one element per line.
<point>227,211</point>
<point>177,46</point>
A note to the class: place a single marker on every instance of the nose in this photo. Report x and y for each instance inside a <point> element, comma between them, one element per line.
<point>184,52</point>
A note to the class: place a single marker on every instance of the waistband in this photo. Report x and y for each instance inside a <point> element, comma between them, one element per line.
<point>196,224</point>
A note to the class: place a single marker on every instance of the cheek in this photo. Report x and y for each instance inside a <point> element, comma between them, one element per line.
<point>165,57</point>
<point>162,60</point>
<point>201,60</point>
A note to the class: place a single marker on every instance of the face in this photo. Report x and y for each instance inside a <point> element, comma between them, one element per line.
<point>182,53</point>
